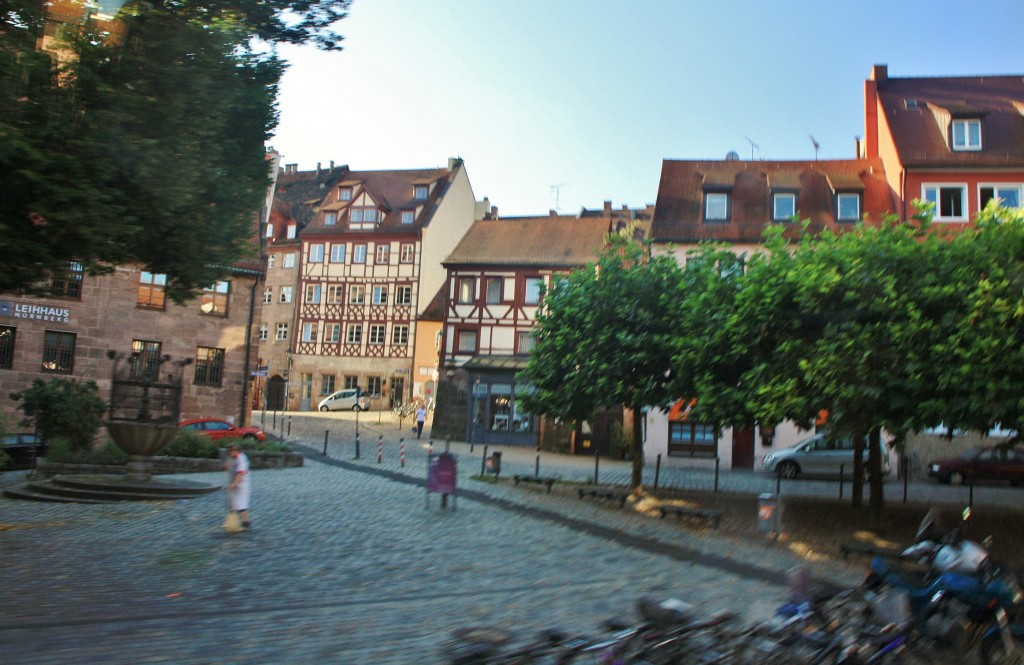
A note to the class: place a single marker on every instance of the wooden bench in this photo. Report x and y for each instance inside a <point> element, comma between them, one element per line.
<point>706,514</point>
<point>540,480</point>
<point>604,493</point>
<point>867,549</point>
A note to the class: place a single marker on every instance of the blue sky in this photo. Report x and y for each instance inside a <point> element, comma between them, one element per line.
<point>568,103</point>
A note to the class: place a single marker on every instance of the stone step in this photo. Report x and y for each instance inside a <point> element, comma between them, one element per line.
<point>25,494</point>
<point>107,489</point>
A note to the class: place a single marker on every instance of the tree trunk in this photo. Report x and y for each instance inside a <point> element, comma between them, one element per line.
<point>857,494</point>
<point>638,450</point>
<point>877,498</point>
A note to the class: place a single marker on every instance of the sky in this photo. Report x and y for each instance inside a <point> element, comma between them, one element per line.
<point>565,104</point>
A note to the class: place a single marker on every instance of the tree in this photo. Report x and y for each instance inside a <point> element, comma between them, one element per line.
<point>604,338</point>
<point>145,147</point>
<point>64,408</point>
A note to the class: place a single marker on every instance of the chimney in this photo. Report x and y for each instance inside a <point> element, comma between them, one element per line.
<point>454,163</point>
<point>871,111</point>
<point>607,208</point>
<point>552,214</point>
<point>332,164</point>
<point>880,73</point>
<point>494,212</point>
<point>856,148</point>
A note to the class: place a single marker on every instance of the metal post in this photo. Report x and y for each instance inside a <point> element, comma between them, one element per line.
<point>841,469</point>
<point>357,445</point>
<point>289,426</point>
<point>597,464</point>
<point>906,478</point>
<point>483,462</point>
<point>657,470</point>
<point>536,465</point>
<point>778,485</point>
<point>380,448</point>
<point>716,472</point>
<point>401,453</point>
<point>326,434</point>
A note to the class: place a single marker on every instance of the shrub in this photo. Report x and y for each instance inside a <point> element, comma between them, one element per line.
<point>64,408</point>
<point>191,444</point>
<point>270,446</point>
<point>61,451</point>
<point>5,460</point>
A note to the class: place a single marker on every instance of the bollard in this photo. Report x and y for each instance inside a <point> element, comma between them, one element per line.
<point>447,444</point>
<point>536,465</point>
<point>657,470</point>
<point>401,452</point>
<point>326,434</point>
<point>357,445</point>
<point>716,472</point>
<point>906,478</point>
<point>841,467</point>
<point>778,485</point>
<point>597,464</point>
<point>483,462</point>
<point>289,426</point>
<point>380,448</point>
<point>273,421</point>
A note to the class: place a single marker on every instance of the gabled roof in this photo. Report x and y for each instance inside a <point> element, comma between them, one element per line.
<point>679,212</point>
<point>298,191</point>
<point>552,241</point>
<point>919,112</point>
<point>392,192</point>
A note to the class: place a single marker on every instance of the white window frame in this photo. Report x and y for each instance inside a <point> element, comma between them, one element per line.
<point>1017,187</point>
<point>937,188</point>
<point>713,201</point>
<point>465,290</point>
<point>338,252</point>
<point>356,294</point>
<point>330,219</point>
<point>382,254</point>
<point>271,261</point>
<point>313,292</point>
<point>403,295</point>
<point>964,126</point>
<point>332,335</point>
<point>264,332</point>
<point>335,294</point>
<point>358,253</point>
<point>268,296</point>
<point>378,334</point>
<point>286,294</point>
<point>354,334</point>
<point>282,332</point>
<point>847,196</point>
<point>289,260</point>
<point>291,232</point>
<point>316,253</point>
<point>420,192</point>
<point>784,215</point>
<point>309,331</point>
<point>344,193</point>
<point>380,295</point>
<point>400,335</point>
<point>462,341</point>
<point>408,217</point>
<point>531,290</point>
<point>270,231</point>
<point>407,252</point>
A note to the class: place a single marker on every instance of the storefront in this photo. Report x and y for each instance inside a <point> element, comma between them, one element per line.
<point>494,415</point>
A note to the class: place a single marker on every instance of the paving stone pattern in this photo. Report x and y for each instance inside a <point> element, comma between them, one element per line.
<point>347,563</point>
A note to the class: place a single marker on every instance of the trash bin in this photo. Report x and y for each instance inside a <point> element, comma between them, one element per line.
<point>494,463</point>
<point>769,513</point>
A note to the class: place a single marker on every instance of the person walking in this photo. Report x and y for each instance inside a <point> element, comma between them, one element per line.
<point>421,418</point>
<point>239,486</point>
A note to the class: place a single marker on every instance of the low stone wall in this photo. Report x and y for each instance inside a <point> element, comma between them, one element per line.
<point>258,459</point>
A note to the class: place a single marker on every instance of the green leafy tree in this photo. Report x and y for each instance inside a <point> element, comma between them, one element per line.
<point>64,408</point>
<point>146,148</point>
<point>603,339</point>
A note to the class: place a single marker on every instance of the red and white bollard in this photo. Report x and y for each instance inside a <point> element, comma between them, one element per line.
<point>401,453</point>
<point>380,449</point>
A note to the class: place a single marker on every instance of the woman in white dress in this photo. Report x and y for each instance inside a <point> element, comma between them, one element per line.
<point>238,483</point>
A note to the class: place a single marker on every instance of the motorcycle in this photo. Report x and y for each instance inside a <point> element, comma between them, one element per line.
<point>954,609</point>
<point>947,551</point>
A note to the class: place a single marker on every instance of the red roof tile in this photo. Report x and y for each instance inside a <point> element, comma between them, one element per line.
<point>551,241</point>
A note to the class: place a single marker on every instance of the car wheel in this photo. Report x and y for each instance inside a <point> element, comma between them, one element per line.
<point>956,478</point>
<point>788,470</point>
<point>324,408</point>
<point>356,407</point>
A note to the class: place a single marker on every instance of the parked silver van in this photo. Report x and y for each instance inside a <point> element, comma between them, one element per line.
<point>820,456</point>
<point>349,399</point>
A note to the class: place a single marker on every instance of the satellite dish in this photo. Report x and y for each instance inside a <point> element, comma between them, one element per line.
<point>732,156</point>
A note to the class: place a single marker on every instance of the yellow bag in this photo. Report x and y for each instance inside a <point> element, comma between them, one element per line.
<point>232,522</point>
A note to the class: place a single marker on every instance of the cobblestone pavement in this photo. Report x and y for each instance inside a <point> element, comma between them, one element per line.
<point>350,561</point>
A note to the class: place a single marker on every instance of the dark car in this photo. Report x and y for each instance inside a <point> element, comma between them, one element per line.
<point>216,428</point>
<point>23,448</point>
<point>993,463</point>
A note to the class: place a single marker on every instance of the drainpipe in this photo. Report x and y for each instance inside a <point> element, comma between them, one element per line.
<point>244,406</point>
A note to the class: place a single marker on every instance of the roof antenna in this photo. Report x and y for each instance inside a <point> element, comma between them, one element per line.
<point>557,189</point>
<point>816,146</point>
<point>753,146</point>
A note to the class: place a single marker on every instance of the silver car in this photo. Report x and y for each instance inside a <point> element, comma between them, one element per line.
<point>344,400</point>
<point>821,456</point>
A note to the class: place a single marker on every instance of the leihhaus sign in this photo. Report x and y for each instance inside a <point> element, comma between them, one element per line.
<point>21,310</point>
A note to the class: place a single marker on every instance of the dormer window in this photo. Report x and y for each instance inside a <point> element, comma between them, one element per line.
<point>420,192</point>
<point>345,194</point>
<point>848,207</point>
<point>330,218</point>
<point>967,134</point>
<point>364,215</point>
<point>408,216</point>
<point>783,206</point>
<point>291,232</point>
<point>716,206</point>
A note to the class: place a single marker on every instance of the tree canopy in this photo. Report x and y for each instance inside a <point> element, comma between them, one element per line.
<point>146,146</point>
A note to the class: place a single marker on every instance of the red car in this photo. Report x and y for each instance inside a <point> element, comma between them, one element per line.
<point>996,463</point>
<point>222,429</point>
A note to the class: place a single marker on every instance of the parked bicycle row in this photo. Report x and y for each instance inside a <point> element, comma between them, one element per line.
<point>942,600</point>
